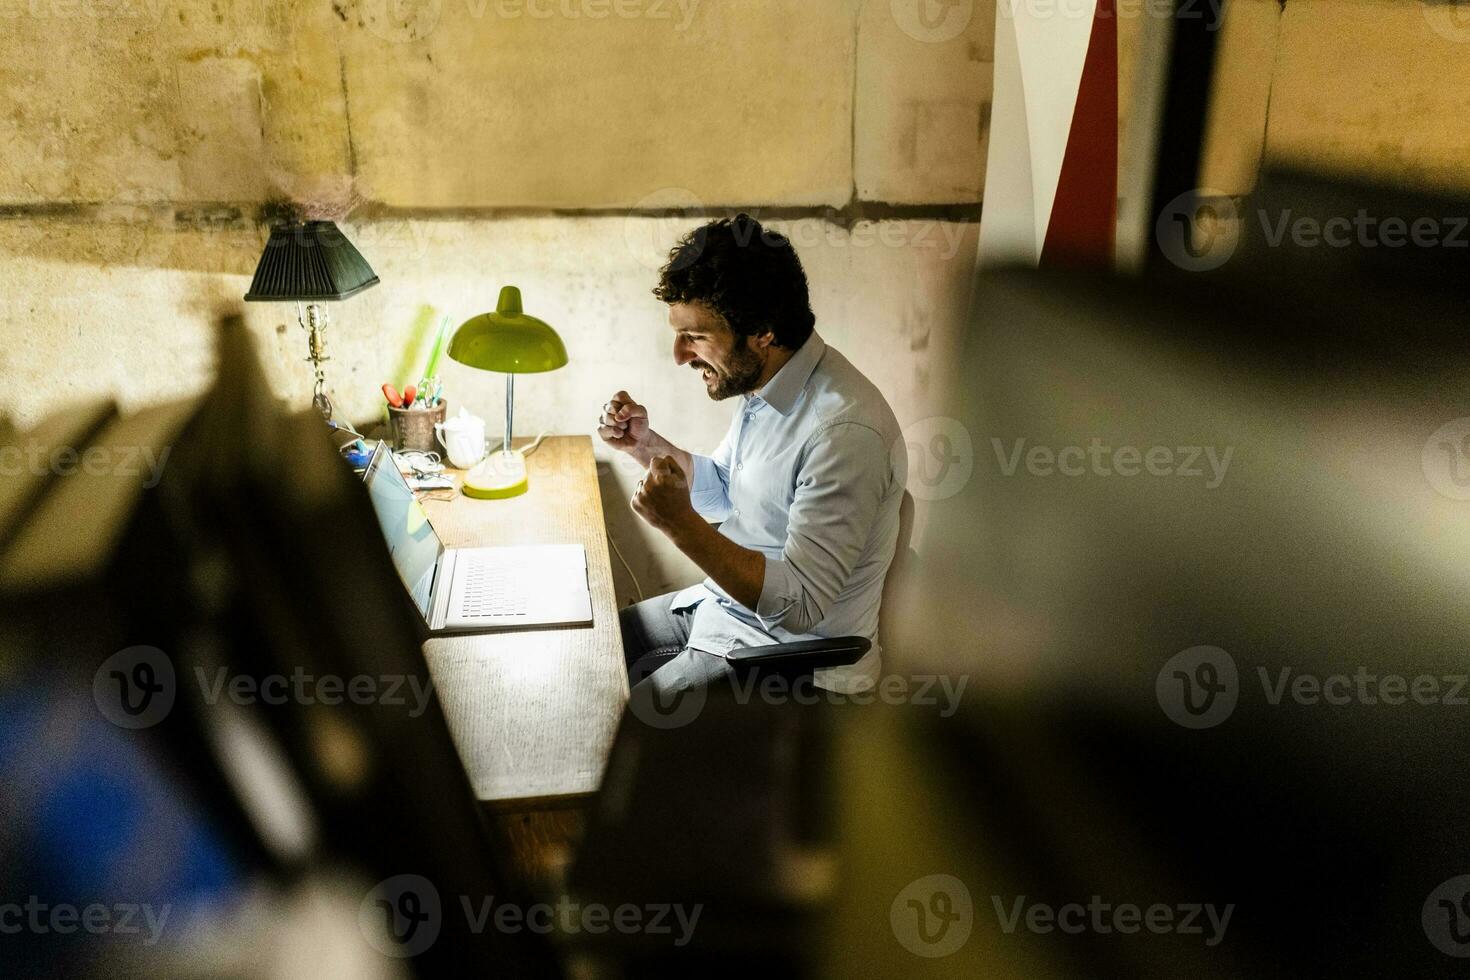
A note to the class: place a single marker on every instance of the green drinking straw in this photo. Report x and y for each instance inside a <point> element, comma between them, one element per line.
<point>438,350</point>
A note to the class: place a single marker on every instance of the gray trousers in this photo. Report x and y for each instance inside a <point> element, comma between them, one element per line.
<point>654,641</point>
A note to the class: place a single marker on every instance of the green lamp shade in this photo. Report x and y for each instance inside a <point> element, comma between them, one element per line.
<point>508,340</point>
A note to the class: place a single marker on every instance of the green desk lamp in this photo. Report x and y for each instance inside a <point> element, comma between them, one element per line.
<point>512,343</point>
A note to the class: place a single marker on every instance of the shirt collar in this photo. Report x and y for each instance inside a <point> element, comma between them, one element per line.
<point>786,386</point>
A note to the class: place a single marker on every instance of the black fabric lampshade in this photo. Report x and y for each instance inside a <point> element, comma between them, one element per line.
<point>309,261</point>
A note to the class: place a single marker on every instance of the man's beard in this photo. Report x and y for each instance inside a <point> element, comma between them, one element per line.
<point>739,377</point>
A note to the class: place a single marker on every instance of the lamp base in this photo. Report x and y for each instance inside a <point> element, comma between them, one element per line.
<point>497,476</point>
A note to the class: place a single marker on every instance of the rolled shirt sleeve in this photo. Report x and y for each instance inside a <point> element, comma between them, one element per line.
<point>839,490</point>
<point>709,484</point>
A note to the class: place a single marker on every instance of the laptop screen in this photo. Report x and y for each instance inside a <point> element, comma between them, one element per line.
<point>411,539</point>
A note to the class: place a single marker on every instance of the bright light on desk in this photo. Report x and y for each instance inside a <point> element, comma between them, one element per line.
<point>511,342</point>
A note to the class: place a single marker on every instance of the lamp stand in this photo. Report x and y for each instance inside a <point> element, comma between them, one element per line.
<point>501,474</point>
<point>314,321</point>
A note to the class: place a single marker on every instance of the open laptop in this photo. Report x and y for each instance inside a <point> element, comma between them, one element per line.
<point>475,589</point>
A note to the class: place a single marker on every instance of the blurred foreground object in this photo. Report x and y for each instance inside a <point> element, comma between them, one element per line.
<point>218,709</point>
<point>1207,580</point>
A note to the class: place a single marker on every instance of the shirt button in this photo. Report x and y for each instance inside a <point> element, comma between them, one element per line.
<point>740,466</point>
<point>735,512</point>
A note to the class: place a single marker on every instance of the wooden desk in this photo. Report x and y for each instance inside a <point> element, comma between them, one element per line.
<point>533,712</point>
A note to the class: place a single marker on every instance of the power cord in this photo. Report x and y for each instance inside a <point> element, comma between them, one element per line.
<point>626,567</point>
<point>536,444</point>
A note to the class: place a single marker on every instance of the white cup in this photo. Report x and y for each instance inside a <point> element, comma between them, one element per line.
<point>463,439</point>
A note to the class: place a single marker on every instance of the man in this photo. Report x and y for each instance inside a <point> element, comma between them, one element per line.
<point>805,486</point>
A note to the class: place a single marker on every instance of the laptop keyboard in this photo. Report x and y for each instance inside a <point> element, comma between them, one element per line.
<point>493,591</point>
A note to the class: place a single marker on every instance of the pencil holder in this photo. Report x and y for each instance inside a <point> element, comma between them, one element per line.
<point>413,428</point>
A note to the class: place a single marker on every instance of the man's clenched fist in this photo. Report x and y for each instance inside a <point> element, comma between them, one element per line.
<point>662,497</point>
<point>623,424</point>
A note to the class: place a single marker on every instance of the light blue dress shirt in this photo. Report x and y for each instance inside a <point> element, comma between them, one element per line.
<point>811,475</point>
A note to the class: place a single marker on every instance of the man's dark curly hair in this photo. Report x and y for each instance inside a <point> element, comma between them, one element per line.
<point>747,274</point>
